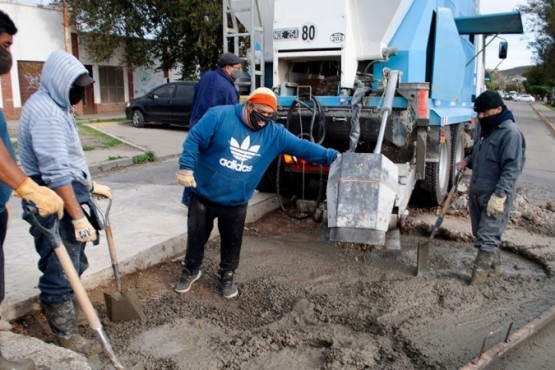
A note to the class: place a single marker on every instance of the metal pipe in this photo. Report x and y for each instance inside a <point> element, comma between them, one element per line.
<point>388,103</point>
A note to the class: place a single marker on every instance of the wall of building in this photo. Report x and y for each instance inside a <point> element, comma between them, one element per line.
<point>40,32</point>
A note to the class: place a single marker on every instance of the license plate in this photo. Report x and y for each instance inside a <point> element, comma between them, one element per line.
<point>286,34</point>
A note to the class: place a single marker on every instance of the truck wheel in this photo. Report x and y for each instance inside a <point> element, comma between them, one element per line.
<point>457,154</point>
<point>436,184</point>
<point>138,118</point>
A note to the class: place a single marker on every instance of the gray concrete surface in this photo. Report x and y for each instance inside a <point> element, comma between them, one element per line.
<point>144,242</point>
<point>154,237</point>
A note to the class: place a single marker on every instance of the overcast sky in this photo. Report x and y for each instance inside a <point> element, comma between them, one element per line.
<point>518,54</point>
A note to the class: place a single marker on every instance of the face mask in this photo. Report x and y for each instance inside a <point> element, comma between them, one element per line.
<point>235,73</point>
<point>76,94</point>
<point>258,121</point>
<point>5,61</point>
<point>486,121</point>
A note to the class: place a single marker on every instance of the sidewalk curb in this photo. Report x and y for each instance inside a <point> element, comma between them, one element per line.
<point>544,119</point>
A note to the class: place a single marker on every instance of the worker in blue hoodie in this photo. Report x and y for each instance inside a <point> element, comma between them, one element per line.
<point>52,155</point>
<point>224,158</point>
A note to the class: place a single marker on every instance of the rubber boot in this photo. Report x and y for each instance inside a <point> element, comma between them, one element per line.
<point>481,268</point>
<point>22,364</point>
<point>496,264</point>
<point>80,314</point>
<point>62,321</point>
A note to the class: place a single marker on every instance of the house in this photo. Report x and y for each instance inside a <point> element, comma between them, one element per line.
<point>40,32</point>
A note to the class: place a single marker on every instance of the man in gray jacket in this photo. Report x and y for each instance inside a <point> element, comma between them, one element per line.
<point>51,154</point>
<point>497,160</point>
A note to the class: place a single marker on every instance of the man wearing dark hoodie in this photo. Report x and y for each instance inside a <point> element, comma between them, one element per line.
<point>51,154</point>
<point>497,160</point>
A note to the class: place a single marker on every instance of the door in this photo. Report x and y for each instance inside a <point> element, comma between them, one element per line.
<point>158,104</point>
<point>183,103</point>
<point>88,99</point>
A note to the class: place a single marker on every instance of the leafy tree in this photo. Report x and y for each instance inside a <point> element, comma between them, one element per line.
<point>184,34</point>
<point>542,23</point>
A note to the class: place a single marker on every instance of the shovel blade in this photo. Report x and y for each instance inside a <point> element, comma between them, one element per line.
<point>422,258</point>
<point>124,306</point>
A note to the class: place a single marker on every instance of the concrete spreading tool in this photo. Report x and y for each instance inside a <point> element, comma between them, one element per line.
<point>121,306</point>
<point>424,248</point>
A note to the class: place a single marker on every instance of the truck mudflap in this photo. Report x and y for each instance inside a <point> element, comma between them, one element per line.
<point>361,192</point>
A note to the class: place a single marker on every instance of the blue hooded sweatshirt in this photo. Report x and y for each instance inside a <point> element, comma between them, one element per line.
<point>229,158</point>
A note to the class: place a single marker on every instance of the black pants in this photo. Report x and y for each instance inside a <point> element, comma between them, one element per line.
<point>231,222</point>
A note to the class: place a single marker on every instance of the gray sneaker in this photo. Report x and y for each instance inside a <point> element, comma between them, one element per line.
<point>186,281</point>
<point>229,290</point>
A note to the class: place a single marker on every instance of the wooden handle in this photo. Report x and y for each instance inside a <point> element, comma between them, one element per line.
<point>77,287</point>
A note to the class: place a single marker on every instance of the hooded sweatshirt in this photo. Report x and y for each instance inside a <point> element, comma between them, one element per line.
<point>48,139</point>
<point>229,159</point>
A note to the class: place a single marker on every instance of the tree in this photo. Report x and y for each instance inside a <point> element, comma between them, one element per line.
<point>163,34</point>
<point>542,23</point>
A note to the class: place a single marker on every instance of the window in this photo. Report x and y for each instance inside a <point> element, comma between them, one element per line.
<point>111,84</point>
<point>165,91</point>
<point>185,91</point>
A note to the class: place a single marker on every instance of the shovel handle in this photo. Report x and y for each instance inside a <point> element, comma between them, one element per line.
<point>113,256</point>
<point>110,240</point>
<point>80,293</point>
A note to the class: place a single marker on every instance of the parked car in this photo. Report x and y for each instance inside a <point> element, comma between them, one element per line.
<point>524,97</point>
<point>167,104</point>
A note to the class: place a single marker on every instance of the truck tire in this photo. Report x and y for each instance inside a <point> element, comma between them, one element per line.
<point>436,185</point>
<point>457,154</point>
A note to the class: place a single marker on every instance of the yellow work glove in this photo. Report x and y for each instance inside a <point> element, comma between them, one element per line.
<point>84,232</point>
<point>101,190</point>
<point>496,205</point>
<point>186,178</point>
<point>45,199</point>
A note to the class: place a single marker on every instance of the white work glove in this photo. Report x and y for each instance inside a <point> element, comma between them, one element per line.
<point>186,178</point>
<point>101,191</point>
<point>84,232</point>
<point>496,205</point>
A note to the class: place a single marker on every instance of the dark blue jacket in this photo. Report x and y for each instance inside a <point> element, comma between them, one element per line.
<point>214,88</point>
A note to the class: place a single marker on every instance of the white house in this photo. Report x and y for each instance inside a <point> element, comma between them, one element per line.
<point>40,32</point>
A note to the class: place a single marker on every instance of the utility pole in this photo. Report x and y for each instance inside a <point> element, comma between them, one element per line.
<point>66,27</point>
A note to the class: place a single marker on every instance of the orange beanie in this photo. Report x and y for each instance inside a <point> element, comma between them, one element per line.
<point>263,95</point>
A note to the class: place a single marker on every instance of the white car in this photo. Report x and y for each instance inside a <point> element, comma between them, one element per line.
<point>525,97</point>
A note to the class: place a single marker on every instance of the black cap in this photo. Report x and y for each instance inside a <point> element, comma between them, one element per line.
<point>487,100</point>
<point>228,59</point>
<point>83,80</point>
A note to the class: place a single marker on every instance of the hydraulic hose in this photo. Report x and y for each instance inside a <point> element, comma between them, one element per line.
<point>316,134</point>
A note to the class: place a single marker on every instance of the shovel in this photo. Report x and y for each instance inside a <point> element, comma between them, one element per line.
<point>65,261</point>
<point>424,248</point>
<point>121,306</point>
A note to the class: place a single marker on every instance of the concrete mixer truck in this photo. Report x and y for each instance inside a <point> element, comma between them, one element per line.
<point>390,84</point>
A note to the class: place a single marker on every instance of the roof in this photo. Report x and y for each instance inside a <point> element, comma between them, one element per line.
<point>490,24</point>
